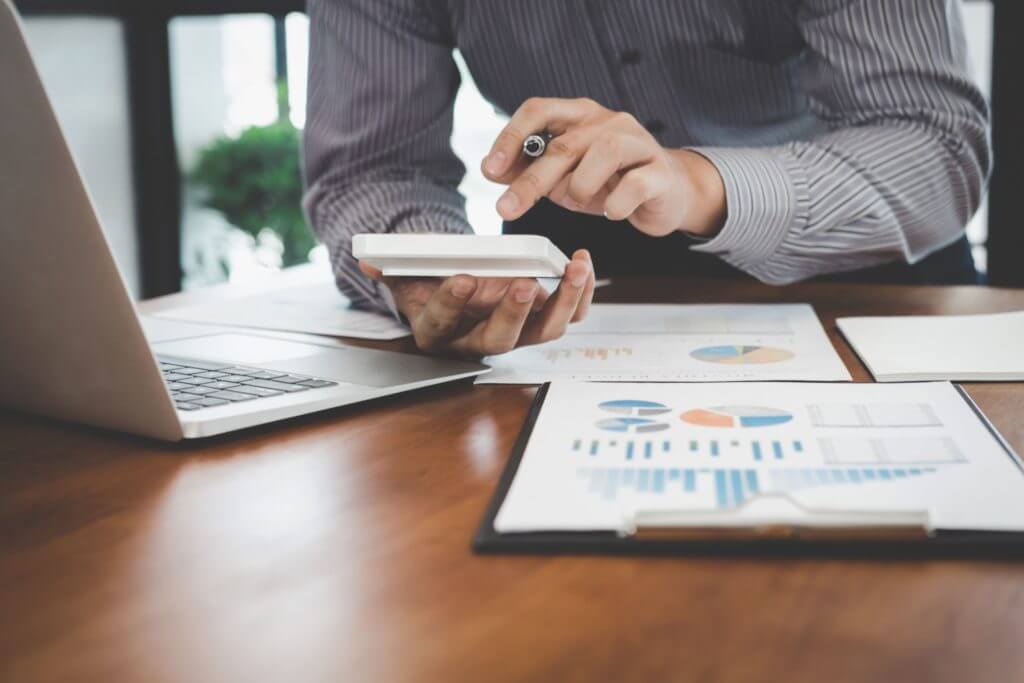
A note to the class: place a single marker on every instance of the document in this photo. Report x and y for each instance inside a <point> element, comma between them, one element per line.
<point>600,454</point>
<point>312,308</point>
<point>983,348</point>
<point>680,343</point>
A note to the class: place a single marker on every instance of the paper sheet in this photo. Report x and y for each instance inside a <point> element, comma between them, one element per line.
<point>672,343</point>
<point>954,347</point>
<point>599,452</point>
<point>313,309</point>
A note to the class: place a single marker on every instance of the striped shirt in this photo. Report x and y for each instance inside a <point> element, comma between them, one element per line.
<point>848,132</point>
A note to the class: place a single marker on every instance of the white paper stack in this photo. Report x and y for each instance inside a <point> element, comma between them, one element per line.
<point>982,348</point>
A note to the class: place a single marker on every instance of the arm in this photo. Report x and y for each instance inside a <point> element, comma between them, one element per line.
<point>382,88</point>
<point>378,158</point>
<point>898,174</point>
<point>902,168</point>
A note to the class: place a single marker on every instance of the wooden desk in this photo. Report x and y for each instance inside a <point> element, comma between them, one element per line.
<point>336,547</point>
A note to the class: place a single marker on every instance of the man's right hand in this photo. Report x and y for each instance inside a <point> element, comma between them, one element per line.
<point>475,317</point>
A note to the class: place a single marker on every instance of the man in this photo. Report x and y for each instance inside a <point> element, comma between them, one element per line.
<point>779,139</point>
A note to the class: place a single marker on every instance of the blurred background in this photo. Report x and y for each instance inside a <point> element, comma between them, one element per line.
<point>185,118</point>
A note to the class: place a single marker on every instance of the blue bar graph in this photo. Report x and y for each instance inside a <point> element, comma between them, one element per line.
<point>693,446</point>
<point>714,449</point>
<point>798,446</point>
<point>796,479</point>
<point>738,495</point>
<point>611,484</point>
<point>730,487</point>
<point>647,450</point>
<point>629,451</point>
<point>666,446</point>
<point>593,446</point>
<point>777,449</point>
<point>577,444</point>
<point>757,450</point>
<point>721,491</point>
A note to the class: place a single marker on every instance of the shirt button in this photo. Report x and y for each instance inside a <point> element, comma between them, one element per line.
<point>655,126</point>
<point>630,56</point>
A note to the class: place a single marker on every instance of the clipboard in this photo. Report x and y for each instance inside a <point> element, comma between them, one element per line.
<point>907,536</point>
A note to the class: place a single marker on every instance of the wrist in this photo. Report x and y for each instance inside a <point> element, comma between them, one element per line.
<point>706,208</point>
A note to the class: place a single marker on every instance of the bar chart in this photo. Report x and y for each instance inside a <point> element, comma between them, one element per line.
<point>587,353</point>
<point>627,449</point>
<point>686,451</point>
<point>730,487</point>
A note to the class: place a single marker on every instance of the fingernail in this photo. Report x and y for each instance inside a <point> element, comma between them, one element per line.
<point>579,280</point>
<point>495,163</point>
<point>508,203</point>
<point>461,288</point>
<point>524,294</point>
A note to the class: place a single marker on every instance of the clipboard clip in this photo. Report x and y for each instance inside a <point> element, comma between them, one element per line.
<point>797,521</point>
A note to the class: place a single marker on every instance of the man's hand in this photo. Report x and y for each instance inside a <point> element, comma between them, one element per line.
<point>604,162</point>
<point>473,317</point>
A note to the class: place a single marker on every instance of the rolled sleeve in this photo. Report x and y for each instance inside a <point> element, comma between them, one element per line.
<point>377,150</point>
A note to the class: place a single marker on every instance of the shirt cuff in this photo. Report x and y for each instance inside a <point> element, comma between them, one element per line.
<point>766,195</point>
<point>373,294</point>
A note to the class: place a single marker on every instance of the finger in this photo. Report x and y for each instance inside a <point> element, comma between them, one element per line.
<point>489,292</point>
<point>607,155</point>
<point>536,114</point>
<point>500,332</point>
<point>512,171</point>
<point>560,196</point>
<point>370,271</point>
<point>637,187</point>
<point>583,307</point>
<point>439,320</point>
<point>544,174</point>
<point>553,320</point>
<point>542,298</point>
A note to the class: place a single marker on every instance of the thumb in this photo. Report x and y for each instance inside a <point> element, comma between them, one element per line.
<point>371,272</point>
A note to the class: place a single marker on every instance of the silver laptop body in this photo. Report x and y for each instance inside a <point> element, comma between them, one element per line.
<point>72,346</point>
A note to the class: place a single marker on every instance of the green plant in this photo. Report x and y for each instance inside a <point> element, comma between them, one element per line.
<point>255,181</point>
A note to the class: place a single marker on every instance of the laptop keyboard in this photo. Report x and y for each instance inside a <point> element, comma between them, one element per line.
<point>195,385</point>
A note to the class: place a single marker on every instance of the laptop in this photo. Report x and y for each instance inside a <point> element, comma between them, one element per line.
<point>73,346</point>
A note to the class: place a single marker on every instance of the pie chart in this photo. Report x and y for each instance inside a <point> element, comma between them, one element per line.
<point>630,407</point>
<point>741,355</point>
<point>632,425</point>
<point>736,416</point>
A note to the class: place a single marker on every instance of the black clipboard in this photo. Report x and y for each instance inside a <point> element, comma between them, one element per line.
<point>860,543</point>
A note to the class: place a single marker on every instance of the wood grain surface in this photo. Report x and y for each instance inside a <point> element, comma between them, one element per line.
<point>335,547</point>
